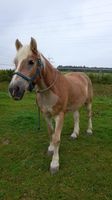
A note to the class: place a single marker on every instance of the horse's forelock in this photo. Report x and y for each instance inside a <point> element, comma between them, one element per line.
<point>23,53</point>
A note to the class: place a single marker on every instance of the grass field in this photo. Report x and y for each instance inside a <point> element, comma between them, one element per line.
<point>85,164</point>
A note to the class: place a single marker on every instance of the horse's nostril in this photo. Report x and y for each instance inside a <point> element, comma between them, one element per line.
<point>16,89</point>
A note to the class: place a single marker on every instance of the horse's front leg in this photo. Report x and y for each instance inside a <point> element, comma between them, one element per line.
<point>54,166</point>
<point>50,132</point>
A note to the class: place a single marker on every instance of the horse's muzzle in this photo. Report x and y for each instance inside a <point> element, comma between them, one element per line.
<point>16,91</point>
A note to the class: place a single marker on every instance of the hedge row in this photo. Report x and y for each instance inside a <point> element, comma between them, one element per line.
<point>5,75</point>
<point>100,77</point>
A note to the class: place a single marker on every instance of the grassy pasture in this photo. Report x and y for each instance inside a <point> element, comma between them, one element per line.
<point>85,164</point>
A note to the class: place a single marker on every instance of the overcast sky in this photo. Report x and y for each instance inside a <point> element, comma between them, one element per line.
<point>74,32</point>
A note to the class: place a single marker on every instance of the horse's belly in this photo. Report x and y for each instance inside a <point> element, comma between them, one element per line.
<point>75,102</point>
<point>73,107</point>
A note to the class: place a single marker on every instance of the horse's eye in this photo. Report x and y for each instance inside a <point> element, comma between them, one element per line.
<point>31,62</point>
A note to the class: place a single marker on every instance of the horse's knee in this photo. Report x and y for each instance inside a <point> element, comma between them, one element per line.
<point>55,139</point>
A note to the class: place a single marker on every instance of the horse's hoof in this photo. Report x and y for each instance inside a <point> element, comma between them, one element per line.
<point>89,132</point>
<point>73,136</point>
<point>54,170</point>
<point>50,153</point>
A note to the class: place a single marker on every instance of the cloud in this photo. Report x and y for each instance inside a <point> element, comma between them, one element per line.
<point>75,32</point>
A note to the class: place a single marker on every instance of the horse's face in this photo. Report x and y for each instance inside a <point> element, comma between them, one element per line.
<point>25,63</point>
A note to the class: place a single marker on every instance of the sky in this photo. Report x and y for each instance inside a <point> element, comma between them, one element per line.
<point>74,32</point>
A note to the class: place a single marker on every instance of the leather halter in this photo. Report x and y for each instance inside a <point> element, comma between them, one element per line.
<point>30,80</point>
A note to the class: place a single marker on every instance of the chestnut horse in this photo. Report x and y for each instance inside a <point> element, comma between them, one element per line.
<point>56,94</point>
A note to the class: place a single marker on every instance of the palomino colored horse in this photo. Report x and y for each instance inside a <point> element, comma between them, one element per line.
<point>56,93</point>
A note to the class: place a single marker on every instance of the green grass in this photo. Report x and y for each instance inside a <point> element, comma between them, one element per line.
<point>85,164</point>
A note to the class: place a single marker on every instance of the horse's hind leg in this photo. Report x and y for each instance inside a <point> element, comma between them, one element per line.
<point>89,109</point>
<point>76,125</point>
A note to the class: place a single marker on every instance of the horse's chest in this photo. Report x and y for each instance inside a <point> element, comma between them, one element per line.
<point>47,102</point>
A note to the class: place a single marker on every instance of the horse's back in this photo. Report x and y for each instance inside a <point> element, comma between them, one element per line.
<point>77,77</point>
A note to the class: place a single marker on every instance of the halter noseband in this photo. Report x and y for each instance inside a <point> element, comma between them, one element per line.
<point>30,80</point>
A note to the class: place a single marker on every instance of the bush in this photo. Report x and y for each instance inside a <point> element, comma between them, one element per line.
<point>6,75</point>
<point>105,78</point>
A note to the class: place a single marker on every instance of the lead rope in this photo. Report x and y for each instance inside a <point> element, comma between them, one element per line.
<point>38,119</point>
<point>38,116</point>
<point>46,89</point>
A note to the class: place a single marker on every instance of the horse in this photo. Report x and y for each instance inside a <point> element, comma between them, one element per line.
<point>56,93</point>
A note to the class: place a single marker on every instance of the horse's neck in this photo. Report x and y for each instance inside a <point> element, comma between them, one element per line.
<point>49,74</point>
<point>50,71</point>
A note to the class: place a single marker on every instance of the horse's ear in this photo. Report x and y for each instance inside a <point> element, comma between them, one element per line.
<point>18,44</point>
<point>33,45</point>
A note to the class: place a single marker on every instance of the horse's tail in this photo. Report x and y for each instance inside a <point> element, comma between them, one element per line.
<point>90,90</point>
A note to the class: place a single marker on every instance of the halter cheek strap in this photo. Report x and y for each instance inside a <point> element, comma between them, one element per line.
<point>30,80</point>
